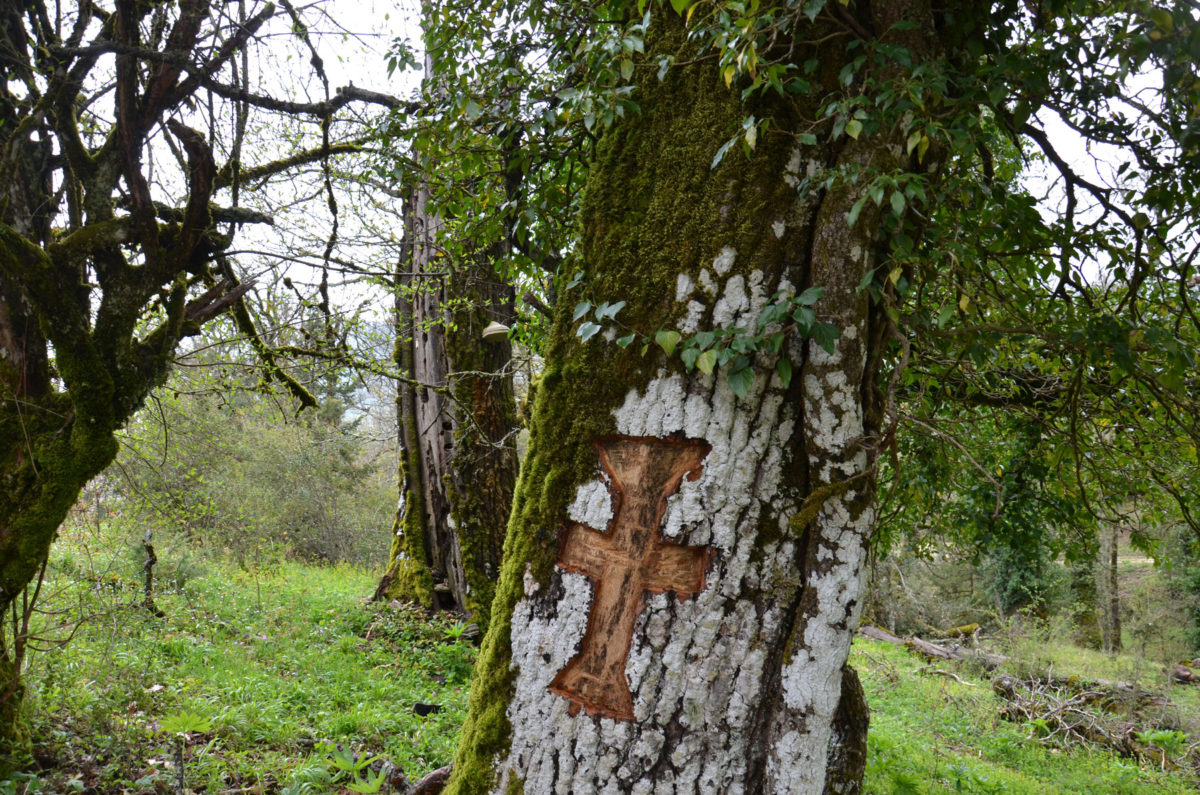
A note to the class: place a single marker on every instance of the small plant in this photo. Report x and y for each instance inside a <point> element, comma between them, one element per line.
<point>181,725</point>
<point>455,631</point>
<point>11,785</point>
<point>351,771</point>
<point>1167,742</point>
<point>1038,727</point>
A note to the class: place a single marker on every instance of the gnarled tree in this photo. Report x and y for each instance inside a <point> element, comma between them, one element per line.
<point>112,242</point>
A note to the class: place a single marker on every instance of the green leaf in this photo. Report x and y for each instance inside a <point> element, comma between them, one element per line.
<point>688,356</point>
<point>720,155</point>
<point>810,296</point>
<point>855,211</point>
<point>1162,19</point>
<point>826,335</point>
<point>740,381</point>
<point>626,68</point>
<point>680,5</point>
<point>704,339</point>
<point>866,280</point>
<point>184,722</point>
<point>581,309</point>
<point>471,110</point>
<point>610,310</point>
<point>783,369</point>
<point>854,128</point>
<point>706,361</point>
<point>588,330</point>
<point>667,340</point>
<point>804,317</point>
<point>625,341</point>
<point>898,203</point>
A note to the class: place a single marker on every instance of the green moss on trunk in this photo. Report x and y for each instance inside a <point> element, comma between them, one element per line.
<point>654,210</point>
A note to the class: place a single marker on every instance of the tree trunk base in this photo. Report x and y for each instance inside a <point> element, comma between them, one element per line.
<point>848,748</point>
<point>16,749</point>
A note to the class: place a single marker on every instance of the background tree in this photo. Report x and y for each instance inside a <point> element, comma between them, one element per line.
<point>493,181</point>
<point>456,409</point>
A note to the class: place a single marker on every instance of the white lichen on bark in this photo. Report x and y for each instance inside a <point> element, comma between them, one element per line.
<point>697,669</point>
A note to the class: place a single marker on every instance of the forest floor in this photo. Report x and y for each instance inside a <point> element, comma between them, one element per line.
<point>280,678</point>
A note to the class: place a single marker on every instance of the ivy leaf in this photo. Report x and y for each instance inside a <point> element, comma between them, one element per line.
<point>667,340</point>
<point>804,317</point>
<point>581,309</point>
<point>689,355</point>
<point>704,339</point>
<point>783,369</point>
<point>855,211</point>
<point>826,335</point>
<point>720,155</point>
<point>607,310</point>
<point>706,361</point>
<point>741,380</point>
<point>588,330</point>
<point>810,296</point>
<point>866,280</point>
<point>625,341</point>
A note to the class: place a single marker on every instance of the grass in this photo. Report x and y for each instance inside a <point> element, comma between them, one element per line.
<point>933,734</point>
<point>275,676</point>
<point>284,672</point>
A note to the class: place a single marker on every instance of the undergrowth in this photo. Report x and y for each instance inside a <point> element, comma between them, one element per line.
<point>933,732</point>
<point>278,677</point>
<point>275,676</point>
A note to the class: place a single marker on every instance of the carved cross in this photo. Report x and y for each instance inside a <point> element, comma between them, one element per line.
<point>624,562</point>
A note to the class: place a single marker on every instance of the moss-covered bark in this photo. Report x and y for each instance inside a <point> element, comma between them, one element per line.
<point>457,423</point>
<point>409,574</point>
<point>737,689</point>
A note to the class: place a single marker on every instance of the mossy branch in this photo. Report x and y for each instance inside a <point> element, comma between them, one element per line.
<point>817,498</point>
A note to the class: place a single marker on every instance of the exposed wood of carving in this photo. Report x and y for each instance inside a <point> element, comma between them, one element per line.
<point>624,562</point>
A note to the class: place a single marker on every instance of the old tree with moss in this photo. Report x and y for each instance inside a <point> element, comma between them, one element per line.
<point>804,224</point>
<point>117,218</point>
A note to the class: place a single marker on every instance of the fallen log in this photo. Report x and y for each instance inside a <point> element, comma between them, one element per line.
<point>934,651</point>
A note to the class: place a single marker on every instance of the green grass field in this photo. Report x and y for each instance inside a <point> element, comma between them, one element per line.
<point>280,678</point>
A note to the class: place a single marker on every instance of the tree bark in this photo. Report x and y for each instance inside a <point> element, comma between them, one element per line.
<point>1110,589</point>
<point>608,668</point>
<point>458,461</point>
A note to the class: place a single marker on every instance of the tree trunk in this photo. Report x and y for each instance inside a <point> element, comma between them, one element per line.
<point>1085,581</point>
<point>684,568</point>
<point>458,462</point>
<point>1110,589</point>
